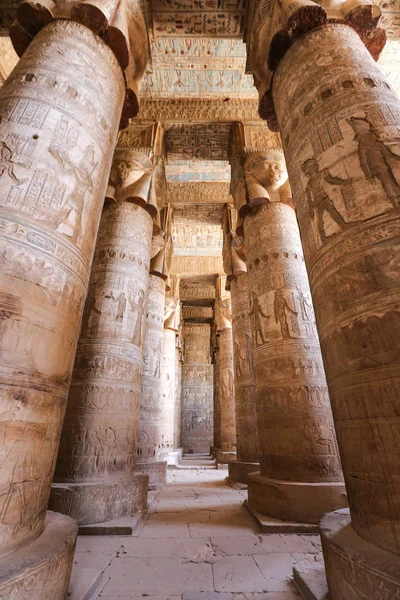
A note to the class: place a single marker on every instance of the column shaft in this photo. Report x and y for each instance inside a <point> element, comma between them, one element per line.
<point>295,425</point>
<point>227,397</point>
<point>58,128</point>
<point>217,400</point>
<point>97,454</point>
<point>197,390</point>
<point>347,189</point>
<point>247,455</point>
<point>151,422</point>
<point>168,391</point>
<point>178,400</point>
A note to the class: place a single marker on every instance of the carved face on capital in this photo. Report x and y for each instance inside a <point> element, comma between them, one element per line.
<point>268,171</point>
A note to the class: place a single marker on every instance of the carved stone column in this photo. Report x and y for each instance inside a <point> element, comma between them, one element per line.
<point>169,450</point>
<point>197,390</point>
<point>151,422</point>
<point>347,190</point>
<point>97,455</point>
<point>217,399</point>
<point>300,477</point>
<point>247,459</point>
<point>57,133</point>
<point>227,449</point>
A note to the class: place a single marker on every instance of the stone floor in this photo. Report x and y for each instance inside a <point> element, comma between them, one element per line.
<point>197,543</point>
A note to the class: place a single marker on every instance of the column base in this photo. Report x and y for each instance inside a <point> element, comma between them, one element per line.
<point>223,458</point>
<point>354,567</point>
<point>239,470</point>
<point>89,503</point>
<point>41,570</point>
<point>157,472</point>
<point>301,502</point>
<point>172,457</point>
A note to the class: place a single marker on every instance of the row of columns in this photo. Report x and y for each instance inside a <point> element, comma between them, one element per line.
<point>57,134</point>
<point>339,124</point>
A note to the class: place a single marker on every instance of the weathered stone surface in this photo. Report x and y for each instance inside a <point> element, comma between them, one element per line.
<point>53,176</point>
<point>223,313</point>
<point>296,433</point>
<point>97,502</point>
<point>99,440</point>
<point>197,389</point>
<point>150,421</point>
<point>347,190</point>
<point>245,402</point>
<point>41,569</point>
<point>156,471</point>
<point>355,567</point>
<point>168,368</point>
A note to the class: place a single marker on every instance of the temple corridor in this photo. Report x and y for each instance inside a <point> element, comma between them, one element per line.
<point>198,542</point>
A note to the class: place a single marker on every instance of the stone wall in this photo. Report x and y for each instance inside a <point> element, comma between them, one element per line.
<point>197,390</point>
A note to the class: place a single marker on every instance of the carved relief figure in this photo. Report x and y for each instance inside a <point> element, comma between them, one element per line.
<point>256,313</point>
<point>240,355</point>
<point>139,310</point>
<point>90,307</point>
<point>318,199</point>
<point>375,157</point>
<point>249,352</point>
<point>280,308</point>
<point>304,305</point>
<point>121,305</point>
<point>6,163</point>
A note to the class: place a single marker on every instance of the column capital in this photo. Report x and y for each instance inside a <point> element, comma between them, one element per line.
<point>275,26</point>
<point>258,167</point>
<point>119,23</point>
<point>234,258</point>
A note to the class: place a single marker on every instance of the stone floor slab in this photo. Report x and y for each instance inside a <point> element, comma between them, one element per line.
<point>189,549</point>
<point>238,574</point>
<point>270,525</point>
<point>157,576</point>
<point>277,571</point>
<point>267,544</point>
<point>311,584</point>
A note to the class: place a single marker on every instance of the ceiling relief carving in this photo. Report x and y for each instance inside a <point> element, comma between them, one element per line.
<point>199,192</point>
<point>197,230</point>
<point>201,67</point>
<point>207,141</point>
<point>197,171</point>
<point>196,265</point>
<point>390,19</point>
<point>200,288</point>
<point>195,109</point>
<point>216,18</point>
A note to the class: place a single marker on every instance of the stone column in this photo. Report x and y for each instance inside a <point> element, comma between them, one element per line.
<point>178,403</point>
<point>170,451</point>
<point>300,477</point>
<point>58,129</point>
<point>197,390</point>
<point>347,190</point>
<point>217,399</point>
<point>245,403</point>
<point>151,422</point>
<point>97,454</point>
<point>227,449</point>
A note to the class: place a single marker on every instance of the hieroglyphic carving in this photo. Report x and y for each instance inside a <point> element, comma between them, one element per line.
<point>193,109</point>
<point>197,289</point>
<point>197,230</point>
<point>200,67</point>
<point>207,141</point>
<point>99,438</point>
<point>198,192</point>
<point>150,422</point>
<point>121,27</point>
<point>197,389</point>
<point>197,312</point>
<point>216,18</point>
<point>287,357</point>
<point>199,265</point>
<point>197,170</point>
<point>168,390</point>
<point>52,190</point>
<point>352,268</point>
